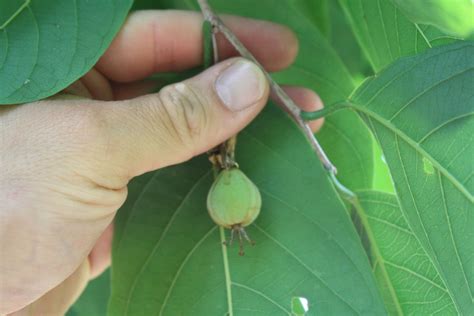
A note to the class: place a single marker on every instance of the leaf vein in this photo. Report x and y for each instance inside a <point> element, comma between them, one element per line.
<point>180,269</point>
<point>428,89</point>
<point>399,134</point>
<point>451,120</point>
<point>262,295</point>
<point>294,256</point>
<point>158,243</point>
<point>445,206</point>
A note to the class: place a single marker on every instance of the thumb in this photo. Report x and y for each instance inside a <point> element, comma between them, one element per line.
<point>187,118</point>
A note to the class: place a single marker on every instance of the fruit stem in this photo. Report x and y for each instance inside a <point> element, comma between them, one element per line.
<point>227,151</point>
<point>223,156</point>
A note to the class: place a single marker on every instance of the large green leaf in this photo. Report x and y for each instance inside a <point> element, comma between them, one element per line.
<point>454,17</point>
<point>328,76</point>
<point>319,68</point>
<point>9,9</point>
<point>344,42</point>
<point>325,74</point>
<point>407,278</point>
<point>349,146</point>
<point>346,140</point>
<point>317,11</point>
<point>421,111</point>
<point>45,45</point>
<point>383,31</point>
<point>168,257</point>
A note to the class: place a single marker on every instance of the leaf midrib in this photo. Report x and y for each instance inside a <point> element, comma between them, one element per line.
<point>431,251</point>
<point>375,248</point>
<point>408,232</point>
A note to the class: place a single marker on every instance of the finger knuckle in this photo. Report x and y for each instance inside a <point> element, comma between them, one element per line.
<point>183,113</point>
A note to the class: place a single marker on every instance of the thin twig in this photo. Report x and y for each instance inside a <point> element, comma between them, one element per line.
<point>214,45</point>
<point>277,92</point>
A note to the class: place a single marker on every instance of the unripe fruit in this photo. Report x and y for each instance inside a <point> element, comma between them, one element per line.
<point>233,201</point>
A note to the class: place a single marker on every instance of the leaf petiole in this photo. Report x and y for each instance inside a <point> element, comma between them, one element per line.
<point>314,115</point>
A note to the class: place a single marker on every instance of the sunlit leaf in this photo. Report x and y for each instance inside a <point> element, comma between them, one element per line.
<point>408,279</point>
<point>316,11</point>
<point>454,17</point>
<point>384,32</point>
<point>421,111</point>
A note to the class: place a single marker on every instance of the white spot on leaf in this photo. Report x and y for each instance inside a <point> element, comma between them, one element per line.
<point>299,306</point>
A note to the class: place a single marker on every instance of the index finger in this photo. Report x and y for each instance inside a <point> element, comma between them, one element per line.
<point>162,41</point>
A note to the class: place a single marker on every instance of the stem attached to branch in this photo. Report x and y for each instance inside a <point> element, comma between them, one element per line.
<point>277,92</point>
<point>314,115</point>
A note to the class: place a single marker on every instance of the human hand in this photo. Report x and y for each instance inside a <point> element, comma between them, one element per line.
<point>66,162</point>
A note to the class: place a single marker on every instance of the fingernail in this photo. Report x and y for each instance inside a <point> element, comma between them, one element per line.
<point>241,85</point>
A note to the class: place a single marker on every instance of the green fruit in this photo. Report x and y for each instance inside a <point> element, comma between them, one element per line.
<point>233,200</point>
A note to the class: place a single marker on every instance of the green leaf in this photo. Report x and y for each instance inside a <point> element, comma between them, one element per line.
<point>407,278</point>
<point>10,9</point>
<point>344,137</point>
<point>168,255</point>
<point>343,41</point>
<point>325,74</point>
<point>454,17</point>
<point>435,36</point>
<point>45,45</point>
<point>93,301</point>
<point>421,111</point>
<point>349,145</point>
<point>317,11</point>
<point>383,31</point>
<point>328,76</point>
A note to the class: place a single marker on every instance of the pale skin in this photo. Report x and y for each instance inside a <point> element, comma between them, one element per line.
<point>65,162</point>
